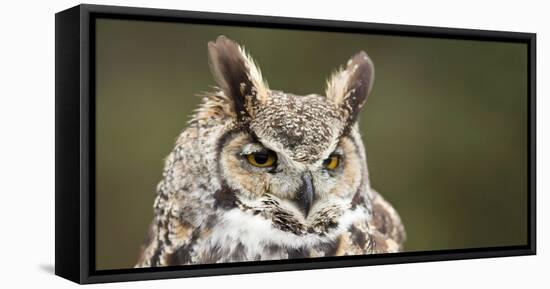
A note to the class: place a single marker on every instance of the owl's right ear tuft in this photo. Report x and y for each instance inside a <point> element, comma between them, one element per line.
<point>350,87</point>
<point>237,75</point>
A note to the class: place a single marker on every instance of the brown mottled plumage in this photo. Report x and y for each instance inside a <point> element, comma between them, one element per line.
<point>260,174</point>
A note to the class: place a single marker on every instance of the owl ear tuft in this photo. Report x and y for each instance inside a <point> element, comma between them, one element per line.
<point>350,87</point>
<point>237,75</point>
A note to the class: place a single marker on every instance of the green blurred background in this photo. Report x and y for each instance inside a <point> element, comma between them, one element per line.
<point>445,126</point>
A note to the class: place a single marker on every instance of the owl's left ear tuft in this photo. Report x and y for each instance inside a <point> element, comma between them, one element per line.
<point>350,87</point>
<point>237,75</point>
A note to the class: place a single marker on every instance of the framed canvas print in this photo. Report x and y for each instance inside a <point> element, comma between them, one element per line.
<point>193,144</point>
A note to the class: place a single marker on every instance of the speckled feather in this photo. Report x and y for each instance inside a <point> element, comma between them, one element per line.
<point>213,207</point>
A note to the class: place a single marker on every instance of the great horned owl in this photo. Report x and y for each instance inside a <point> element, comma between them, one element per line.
<point>260,174</point>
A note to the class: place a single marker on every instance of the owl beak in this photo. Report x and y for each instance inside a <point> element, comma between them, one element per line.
<point>305,194</point>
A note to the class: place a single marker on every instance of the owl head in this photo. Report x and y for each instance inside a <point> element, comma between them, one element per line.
<point>297,159</point>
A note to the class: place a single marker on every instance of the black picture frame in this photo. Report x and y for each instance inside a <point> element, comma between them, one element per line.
<point>75,139</point>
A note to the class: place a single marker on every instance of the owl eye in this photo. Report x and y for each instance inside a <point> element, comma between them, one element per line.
<point>262,159</point>
<point>332,162</point>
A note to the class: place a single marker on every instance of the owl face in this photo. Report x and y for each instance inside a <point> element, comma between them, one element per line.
<point>285,155</point>
<point>292,153</point>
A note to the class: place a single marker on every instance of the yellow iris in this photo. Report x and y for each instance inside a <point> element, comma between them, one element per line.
<point>332,162</point>
<point>262,159</point>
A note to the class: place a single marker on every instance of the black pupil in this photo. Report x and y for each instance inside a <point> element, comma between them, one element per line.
<point>261,158</point>
<point>327,161</point>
